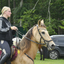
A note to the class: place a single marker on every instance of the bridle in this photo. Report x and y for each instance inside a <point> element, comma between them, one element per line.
<point>46,42</point>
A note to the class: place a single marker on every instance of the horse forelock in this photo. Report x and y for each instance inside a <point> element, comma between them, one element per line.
<point>25,43</point>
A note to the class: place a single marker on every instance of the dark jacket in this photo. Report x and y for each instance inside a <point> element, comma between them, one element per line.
<point>5,31</point>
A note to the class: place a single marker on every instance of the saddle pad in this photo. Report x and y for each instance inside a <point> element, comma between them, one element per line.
<point>0,52</point>
<point>15,55</point>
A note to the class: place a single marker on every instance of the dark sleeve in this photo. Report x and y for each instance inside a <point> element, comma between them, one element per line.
<point>13,32</point>
<point>3,29</point>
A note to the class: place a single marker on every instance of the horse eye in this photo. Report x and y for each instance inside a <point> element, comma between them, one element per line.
<point>43,32</point>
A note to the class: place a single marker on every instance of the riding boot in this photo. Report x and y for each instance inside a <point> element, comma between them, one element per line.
<point>8,62</point>
<point>4,58</point>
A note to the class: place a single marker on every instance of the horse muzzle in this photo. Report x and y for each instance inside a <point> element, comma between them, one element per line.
<point>51,47</point>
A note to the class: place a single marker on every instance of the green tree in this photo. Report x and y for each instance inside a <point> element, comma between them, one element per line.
<point>29,18</point>
<point>40,11</point>
<point>52,26</point>
<point>62,24</point>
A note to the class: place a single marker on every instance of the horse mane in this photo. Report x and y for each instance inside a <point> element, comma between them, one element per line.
<point>25,43</point>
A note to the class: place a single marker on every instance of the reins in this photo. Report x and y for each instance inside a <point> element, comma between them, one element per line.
<point>18,32</point>
<point>28,38</point>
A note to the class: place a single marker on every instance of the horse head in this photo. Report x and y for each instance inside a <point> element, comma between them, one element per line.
<point>42,36</point>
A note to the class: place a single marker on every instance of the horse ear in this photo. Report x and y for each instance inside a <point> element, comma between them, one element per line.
<point>40,22</point>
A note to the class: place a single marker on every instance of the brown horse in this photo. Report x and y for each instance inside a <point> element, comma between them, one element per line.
<point>36,35</point>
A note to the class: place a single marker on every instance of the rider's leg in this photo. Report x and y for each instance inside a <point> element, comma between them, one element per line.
<point>8,62</point>
<point>4,58</point>
<point>5,46</point>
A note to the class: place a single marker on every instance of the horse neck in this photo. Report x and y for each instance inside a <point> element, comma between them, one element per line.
<point>33,49</point>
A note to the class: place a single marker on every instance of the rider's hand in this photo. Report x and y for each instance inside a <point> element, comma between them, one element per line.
<point>14,28</point>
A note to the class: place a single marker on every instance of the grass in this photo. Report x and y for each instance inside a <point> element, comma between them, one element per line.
<point>47,61</point>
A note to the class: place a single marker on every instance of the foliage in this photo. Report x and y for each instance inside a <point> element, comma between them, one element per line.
<point>29,18</point>
<point>52,26</point>
<point>62,24</point>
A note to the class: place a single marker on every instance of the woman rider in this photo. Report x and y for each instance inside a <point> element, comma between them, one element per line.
<point>6,33</point>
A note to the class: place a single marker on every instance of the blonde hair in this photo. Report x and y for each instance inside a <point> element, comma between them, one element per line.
<point>5,8</point>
